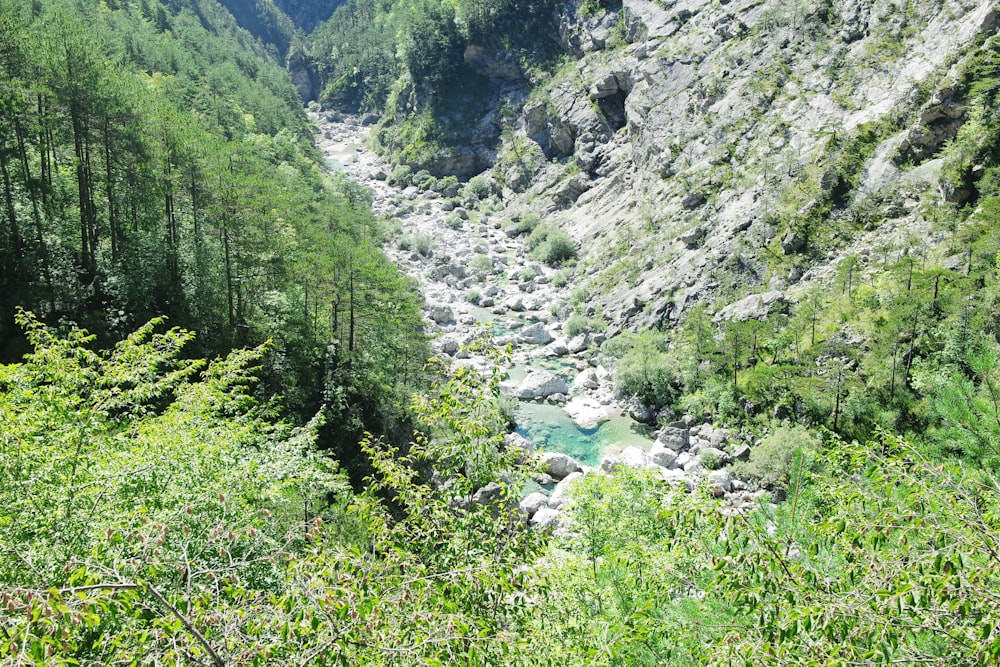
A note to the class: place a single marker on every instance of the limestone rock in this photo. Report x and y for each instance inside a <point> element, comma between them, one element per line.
<point>488,494</point>
<point>441,314</point>
<point>587,379</point>
<point>578,343</point>
<point>533,502</point>
<point>662,455</point>
<point>561,494</point>
<point>720,478</point>
<point>540,384</point>
<point>546,517</point>
<point>558,465</point>
<point>610,463</point>
<point>536,334</point>
<point>753,307</point>
<point>674,438</point>
<point>635,457</point>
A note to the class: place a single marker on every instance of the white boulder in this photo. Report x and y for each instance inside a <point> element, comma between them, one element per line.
<point>541,384</point>
<point>559,465</point>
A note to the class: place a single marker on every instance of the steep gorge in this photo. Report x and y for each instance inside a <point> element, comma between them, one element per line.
<point>698,151</point>
<point>732,176</point>
<point>726,149</point>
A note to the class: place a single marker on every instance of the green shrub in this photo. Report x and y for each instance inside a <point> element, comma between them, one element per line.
<point>482,266</point>
<point>561,278</point>
<point>424,244</point>
<point>526,274</point>
<point>550,245</point>
<point>576,325</point>
<point>423,180</point>
<point>401,176</point>
<point>536,238</point>
<point>420,243</point>
<point>649,378</point>
<point>557,249</point>
<point>473,296</point>
<point>711,460</point>
<point>525,224</point>
<point>478,187</point>
<point>448,186</point>
<point>777,459</point>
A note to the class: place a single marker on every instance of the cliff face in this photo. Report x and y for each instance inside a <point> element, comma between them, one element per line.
<point>703,150</point>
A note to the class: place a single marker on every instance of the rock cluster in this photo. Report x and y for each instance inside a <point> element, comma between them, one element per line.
<point>685,454</point>
<point>476,276</point>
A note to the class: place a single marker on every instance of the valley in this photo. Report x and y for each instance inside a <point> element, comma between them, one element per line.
<point>499,333</point>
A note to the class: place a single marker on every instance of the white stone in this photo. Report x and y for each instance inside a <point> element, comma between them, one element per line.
<point>559,465</point>
<point>536,334</point>
<point>588,412</point>
<point>635,457</point>
<point>587,379</point>
<point>610,463</point>
<point>662,455</point>
<point>541,384</point>
<point>721,478</point>
<point>561,494</point>
<point>533,502</point>
<point>441,314</point>
<point>546,517</point>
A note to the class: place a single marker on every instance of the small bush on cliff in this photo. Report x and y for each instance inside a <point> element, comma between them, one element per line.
<point>550,245</point>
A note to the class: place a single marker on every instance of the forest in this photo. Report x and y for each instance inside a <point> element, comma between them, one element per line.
<point>225,443</point>
<point>157,162</point>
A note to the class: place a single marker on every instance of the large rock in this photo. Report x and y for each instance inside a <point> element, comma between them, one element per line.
<point>488,494</point>
<point>541,384</point>
<point>663,456</point>
<point>588,412</point>
<point>610,463</point>
<point>673,438</point>
<point>635,457</point>
<point>580,342</point>
<point>558,465</point>
<point>441,314</point>
<point>518,441</point>
<point>721,479</point>
<point>556,348</point>
<point>587,379</point>
<point>536,334</point>
<point>560,494</point>
<point>676,477</point>
<point>546,517</point>
<point>533,502</point>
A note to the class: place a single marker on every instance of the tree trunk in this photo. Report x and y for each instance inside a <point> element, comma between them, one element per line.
<point>109,175</point>
<point>229,279</point>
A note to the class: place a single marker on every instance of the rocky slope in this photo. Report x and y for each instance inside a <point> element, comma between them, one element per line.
<point>476,276</point>
<point>705,150</point>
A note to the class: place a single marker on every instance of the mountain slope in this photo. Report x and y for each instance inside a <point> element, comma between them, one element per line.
<point>786,209</point>
<point>757,131</point>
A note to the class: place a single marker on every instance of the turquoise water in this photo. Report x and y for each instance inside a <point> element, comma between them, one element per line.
<point>335,165</point>
<point>549,427</point>
<point>338,157</point>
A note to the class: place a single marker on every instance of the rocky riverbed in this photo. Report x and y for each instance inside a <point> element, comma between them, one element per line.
<point>476,276</point>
